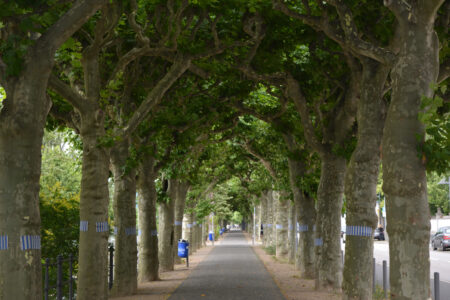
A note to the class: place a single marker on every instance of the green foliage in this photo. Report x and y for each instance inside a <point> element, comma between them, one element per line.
<point>271,250</point>
<point>437,194</point>
<point>237,217</point>
<point>435,115</point>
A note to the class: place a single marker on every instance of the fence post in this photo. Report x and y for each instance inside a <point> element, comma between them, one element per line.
<point>47,262</point>
<point>385,279</point>
<point>374,275</point>
<point>59,278</point>
<point>70,277</point>
<point>437,292</point>
<point>111,266</point>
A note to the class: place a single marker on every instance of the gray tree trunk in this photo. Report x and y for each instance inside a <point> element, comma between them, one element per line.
<point>264,218</point>
<point>22,121</point>
<point>328,223</point>
<point>166,229</point>
<point>306,218</point>
<point>404,177</point>
<point>180,201</point>
<point>282,214</point>
<point>292,232</point>
<point>125,254</point>
<point>270,238</point>
<point>148,240</point>
<point>361,183</point>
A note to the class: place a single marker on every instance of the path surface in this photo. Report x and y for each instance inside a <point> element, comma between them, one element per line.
<point>232,272</point>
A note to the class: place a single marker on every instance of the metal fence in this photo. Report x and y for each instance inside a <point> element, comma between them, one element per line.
<point>63,280</point>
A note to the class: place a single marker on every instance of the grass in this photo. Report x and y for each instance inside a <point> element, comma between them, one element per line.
<point>271,250</point>
<point>379,293</point>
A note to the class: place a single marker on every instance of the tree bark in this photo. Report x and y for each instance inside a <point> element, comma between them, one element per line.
<point>306,218</point>
<point>180,201</point>
<point>270,220</point>
<point>361,183</point>
<point>125,254</point>
<point>328,230</point>
<point>404,177</point>
<point>282,213</point>
<point>264,218</point>
<point>94,200</point>
<point>166,229</point>
<point>292,232</point>
<point>148,244</point>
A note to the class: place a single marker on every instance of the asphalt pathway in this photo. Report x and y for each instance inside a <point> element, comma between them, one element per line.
<point>231,271</point>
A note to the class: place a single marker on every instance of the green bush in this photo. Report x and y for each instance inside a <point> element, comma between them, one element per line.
<point>271,250</point>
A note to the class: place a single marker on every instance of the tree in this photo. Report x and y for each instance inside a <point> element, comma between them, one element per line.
<point>30,35</point>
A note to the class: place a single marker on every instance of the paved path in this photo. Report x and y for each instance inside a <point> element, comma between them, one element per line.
<point>232,271</point>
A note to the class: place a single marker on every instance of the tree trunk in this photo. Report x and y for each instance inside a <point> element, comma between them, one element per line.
<point>166,229</point>
<point>94,200</point>
<point>306,218</point>
<point>361,184</point>
<point>270,219</point>
<point>180,201</point>
<point>292,232</point>
<point>282,214</point>
<point>328,223</point>
<point>148,240</point>
<point>125,254</point>
<point>20,165</point>
<point>264,219</point>
<point>190,230</point>
<point>404,177</point>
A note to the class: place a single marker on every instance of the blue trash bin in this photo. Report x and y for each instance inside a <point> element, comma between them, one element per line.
<point>211,236</point>
<point>183,248</point>
<point>221,231</point>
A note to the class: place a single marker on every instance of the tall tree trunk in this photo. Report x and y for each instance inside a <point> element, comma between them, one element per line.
<point>125,254</point>
<point>166,229</point>
<point>361,183</point>
<point>180,201</point>
<point>292,232</point>
<point>190,230</point>
<point>306,218</point>
<point>20,168</point>
<point>148,244</point>
<point>258,222</point>
<point>270,219</point>
<point>264,218</point>
<point>94,200</point>
<point>404,177</point>
<point>282,214</point>
<point>328,223</point>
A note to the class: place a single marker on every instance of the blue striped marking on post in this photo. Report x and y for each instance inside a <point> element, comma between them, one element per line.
<point>154,233</point>
<point>30,242</point>
<point>269,225</point>
<point>195,223</point>
<point>189,225</point>
<point>359,231</point>
<point>178,223</point>
<point>130,231</point>
<point>279,226</point>
<point>101,226</point>
<point>200,225</point>
<point>4,242</point>
<point>314,228</point>
<point>303,228</point>
<point>84,225</point>
<point>318,242</point>
<point>116,230</point>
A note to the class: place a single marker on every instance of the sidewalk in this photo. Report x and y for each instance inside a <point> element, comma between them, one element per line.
<point>161,290</point>
<point>288,279</point>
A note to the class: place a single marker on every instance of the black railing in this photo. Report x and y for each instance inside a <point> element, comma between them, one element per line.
<point>57,289</point>
<point>60,282</point>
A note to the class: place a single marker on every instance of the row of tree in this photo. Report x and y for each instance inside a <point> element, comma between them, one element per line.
<point>175,87</point>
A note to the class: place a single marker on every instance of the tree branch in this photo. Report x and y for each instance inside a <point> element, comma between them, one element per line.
<point>157,93</point>
<point>295,93</point>
<point>263,161</point>
<point>68,93</point>
<point>67,25</point>
<point>444,71</point>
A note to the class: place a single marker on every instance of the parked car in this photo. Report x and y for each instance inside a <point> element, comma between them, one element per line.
<point>379,234</point>
<point>441,239</point>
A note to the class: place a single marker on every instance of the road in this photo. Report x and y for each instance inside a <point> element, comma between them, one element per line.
<point>439,262</point>
<point>231,271</point>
